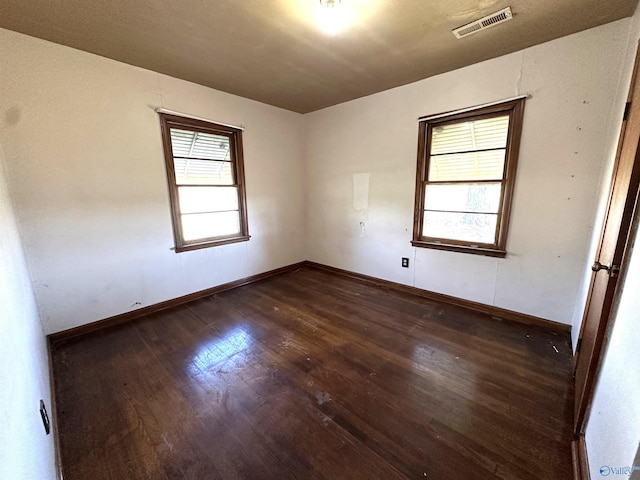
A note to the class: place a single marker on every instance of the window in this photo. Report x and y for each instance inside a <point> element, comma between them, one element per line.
<point>206,182</point>
<point>465,178</point>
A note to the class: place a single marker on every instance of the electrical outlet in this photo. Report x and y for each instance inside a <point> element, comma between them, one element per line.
<point>405,262</point>
<point>45,417</point>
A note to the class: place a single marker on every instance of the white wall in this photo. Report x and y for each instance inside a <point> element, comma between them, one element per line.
<point>84,154</point>
<point>25,450</point>
<point>565,149</point>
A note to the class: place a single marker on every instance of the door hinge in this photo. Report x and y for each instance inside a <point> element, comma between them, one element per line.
<point>615,271</point>
<point>627,108</point>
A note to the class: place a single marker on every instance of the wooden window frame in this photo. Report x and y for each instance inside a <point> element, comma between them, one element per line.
<point>515,109</point>
<point>168,121</point>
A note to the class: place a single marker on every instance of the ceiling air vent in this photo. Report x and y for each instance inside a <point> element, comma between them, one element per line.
<point>483,23</point>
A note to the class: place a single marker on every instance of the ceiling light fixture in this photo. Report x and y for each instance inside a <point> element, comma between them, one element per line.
<point>329,3</point>
<point>331,16</point>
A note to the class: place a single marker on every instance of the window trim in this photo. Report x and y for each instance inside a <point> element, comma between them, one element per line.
<point>168,121</point>
<point>515,109</point>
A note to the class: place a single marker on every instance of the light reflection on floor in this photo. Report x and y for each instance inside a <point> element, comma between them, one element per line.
<point>221,352</point>
<point>431,361</point>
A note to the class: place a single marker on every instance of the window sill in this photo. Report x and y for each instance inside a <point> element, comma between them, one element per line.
<point>211,243</point>
<point>489,252</point>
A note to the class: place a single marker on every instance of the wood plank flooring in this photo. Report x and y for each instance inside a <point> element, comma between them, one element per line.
<point>310,375</point>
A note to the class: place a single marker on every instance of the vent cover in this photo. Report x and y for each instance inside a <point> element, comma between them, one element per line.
<point>483,23</point>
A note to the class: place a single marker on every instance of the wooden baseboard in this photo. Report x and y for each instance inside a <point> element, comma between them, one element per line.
<point>498,312</point>
<point>54,414</point>
<point>579,457</point>
<point>141,312</point>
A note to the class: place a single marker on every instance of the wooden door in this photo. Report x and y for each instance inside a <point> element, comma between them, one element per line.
<point>617,222</point>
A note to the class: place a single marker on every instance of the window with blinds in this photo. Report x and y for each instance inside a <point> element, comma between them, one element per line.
<point>466,174</point>
<point>206,182</point>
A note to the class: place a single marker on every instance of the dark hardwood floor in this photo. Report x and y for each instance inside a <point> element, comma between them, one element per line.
<point>311,375</point>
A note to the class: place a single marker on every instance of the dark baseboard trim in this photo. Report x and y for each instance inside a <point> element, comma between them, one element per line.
<point>579,457</point>
<point>498,312</point>
<point>54,414</point>
<point>398,287</point>
<point>141,312</point>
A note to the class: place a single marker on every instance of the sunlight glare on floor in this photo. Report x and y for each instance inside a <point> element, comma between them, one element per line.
<point>221,351</point>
